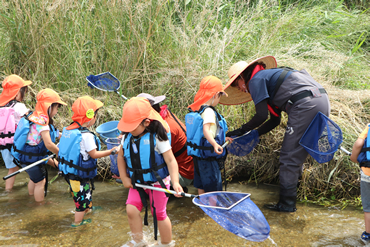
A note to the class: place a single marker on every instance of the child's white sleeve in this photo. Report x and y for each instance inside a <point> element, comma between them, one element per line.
<point>208,116</point>
<point>19,110</point>
<point>87,144</point>
<point>162,146</point>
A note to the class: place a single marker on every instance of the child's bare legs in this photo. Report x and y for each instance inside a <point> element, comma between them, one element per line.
<point>79,216</point>
<point>165,230</point>
<point>9,183</point>
<point>367,222</point>
<point>136,225</point>
<point>37,190</point>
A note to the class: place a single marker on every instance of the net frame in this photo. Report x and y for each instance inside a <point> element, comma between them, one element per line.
<point>247,195</point>
<point>238,143</point>
<point>109,76</point>
<point>253,226</point>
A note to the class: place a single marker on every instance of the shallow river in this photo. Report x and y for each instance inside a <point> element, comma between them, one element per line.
<point>25,224</point>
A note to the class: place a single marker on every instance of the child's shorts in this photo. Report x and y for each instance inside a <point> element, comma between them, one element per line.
<point>365,192</point>
<point>207,175</point>
<point>160,201</point>
<point>36,173</point>
<point>8,158</point>
<point>81,194</point>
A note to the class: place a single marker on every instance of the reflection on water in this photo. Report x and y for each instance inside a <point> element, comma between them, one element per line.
<point>23,222</point>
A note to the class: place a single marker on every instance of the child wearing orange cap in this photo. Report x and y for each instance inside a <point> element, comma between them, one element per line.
<point>78,151</point>
<point>35,137</point>
<point>206,130</point>
<point>12,110</point>
<point>146,157</point>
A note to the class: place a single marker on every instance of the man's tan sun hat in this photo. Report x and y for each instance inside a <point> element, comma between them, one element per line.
<point>236,96</point>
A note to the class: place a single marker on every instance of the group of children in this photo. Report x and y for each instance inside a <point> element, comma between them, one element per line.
<point>144,156</point>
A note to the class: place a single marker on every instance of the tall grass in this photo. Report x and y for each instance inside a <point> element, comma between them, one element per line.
<point>168,46</point>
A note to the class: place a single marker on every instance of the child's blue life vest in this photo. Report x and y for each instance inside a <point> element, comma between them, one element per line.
<point>27,154</point>
<point>198,145</point>
<point>364,156</point>
<point>70,157</point>
<point>144,164</point>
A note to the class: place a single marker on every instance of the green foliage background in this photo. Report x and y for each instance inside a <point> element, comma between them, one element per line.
<point>168,46</point>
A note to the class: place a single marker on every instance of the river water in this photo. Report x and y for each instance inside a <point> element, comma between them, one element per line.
<point>23,223</point>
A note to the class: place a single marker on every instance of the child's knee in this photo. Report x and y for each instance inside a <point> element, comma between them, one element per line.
<point>132,211</point>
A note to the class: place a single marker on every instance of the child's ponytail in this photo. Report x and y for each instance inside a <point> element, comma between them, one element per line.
<point>157,128</point>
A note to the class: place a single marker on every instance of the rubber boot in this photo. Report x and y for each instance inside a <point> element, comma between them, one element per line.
<point>285,204</point>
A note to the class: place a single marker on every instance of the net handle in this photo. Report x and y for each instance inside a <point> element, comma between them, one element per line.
<point>164,190</point>
<point>345,150</point>
<point>228,142</point>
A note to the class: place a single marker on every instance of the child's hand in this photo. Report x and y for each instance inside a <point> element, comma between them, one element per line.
<point>229,139</point>
<point>218,149</point>
<point>177,187</point>
<point>126,181</point>
<point>114,150</point>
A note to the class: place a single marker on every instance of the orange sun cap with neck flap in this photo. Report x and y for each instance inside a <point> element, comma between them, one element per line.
<point>11,86</point>
<point>45,98</point>
<point>84,110</point>
<point>209,86</point>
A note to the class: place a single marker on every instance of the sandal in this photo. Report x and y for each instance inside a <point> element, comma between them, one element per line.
<point>83,222</point>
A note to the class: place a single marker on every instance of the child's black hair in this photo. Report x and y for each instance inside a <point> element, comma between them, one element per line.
<point>23,92</point>
<point>49,111</point>
<point>157,128</point>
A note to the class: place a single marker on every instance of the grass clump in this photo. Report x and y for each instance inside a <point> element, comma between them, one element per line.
<point>167,47</point>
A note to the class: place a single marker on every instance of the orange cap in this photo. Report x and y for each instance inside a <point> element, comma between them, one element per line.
<point>84,110</point>
<point>209,86</point>
<point>11,86</point>
<point>135,111</point>
<point>45,98</point>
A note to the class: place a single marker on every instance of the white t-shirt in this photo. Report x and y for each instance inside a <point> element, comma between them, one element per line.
<point>209,117</point>
<point>87,144</point>
<point>19,111</point>
<point>160,146</point>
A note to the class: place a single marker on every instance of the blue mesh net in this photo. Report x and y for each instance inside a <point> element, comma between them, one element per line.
<point>236,213</point>
<point>244,144</point>
<point>322,138</point>
<point>111,143</point>
<point>105,81</point>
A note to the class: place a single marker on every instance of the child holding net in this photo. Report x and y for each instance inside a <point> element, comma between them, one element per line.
<point>146,157</point>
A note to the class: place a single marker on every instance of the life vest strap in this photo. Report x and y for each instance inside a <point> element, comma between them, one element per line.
<point>365,164</point>
<point>70,164</point>
<point>6,146</point>
<point>30,154</point>
<point>365,149</point>
<point>9,135</point>
<point>183,149</point>
<point>195,146</point>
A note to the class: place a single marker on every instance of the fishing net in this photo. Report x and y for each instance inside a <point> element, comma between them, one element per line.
<point>322,138</point>
<point>236,213</point>
<point>244,144</point>
<point>111,143</point>
<point>105,81</point>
